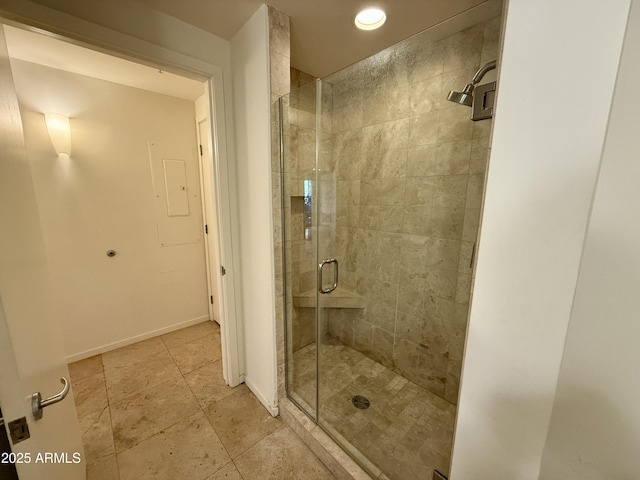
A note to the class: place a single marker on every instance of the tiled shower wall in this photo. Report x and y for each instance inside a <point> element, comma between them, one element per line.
<point>407,170</point>
<point>279,84</point>
<point>299,167</point>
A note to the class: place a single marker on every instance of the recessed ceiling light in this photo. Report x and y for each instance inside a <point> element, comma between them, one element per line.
<point>370,19</point>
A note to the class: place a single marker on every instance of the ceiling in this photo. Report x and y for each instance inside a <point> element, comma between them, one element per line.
<point>50,52</point>
<point>323,36</point>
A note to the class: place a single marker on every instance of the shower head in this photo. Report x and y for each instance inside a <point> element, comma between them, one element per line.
<point>466,96</point>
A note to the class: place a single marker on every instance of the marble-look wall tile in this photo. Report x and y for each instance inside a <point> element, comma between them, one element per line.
<point>463,48</point>
<point>452,385</point>
<point>463,289</point>
<point>466,255</point>
<point>452,158</point>
<point>423,129</point>
<point>442,283</point>
<point>385,136</point>
<point>478,158</point>
<point>280,84</point>
<point>382,348</point>
<point>347,117</point>
<point>421,161</point>
<point>280,74</point>
<point>426,95</point>
<point>400,191</point>
<point>471,224</point>
<point>421,365</point>
<point>447,221</point>
<point>443,254</point>
<point>491,39</point>
<point>424,61</point>
<point>347,202</point>
<point>363,337</point>
<point>420,190</point>
<point>454,125</point>
<point>382,191</point>
<point>385,105</point>
<point>279,32</point>
<point>382,315</point>
<point>347,248</point>
<point>300,78</point>
<point>347,86</point>
<point>475,189</point>
<point>304,327</point>
<point>385,163</point>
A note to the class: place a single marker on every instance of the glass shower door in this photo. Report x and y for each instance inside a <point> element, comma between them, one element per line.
<point>383,181</point>
<point>298,143</point>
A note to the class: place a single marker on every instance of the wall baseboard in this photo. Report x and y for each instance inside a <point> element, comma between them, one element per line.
<point>272,409</point>
<point>138,338</point>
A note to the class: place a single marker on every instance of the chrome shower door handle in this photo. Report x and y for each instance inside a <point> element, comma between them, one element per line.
<point>37,404</point>
<point>321,289</point>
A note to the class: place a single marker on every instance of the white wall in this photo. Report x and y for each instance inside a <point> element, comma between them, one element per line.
<point>102,198</point>
<point>250,65</point>
<point>555,90</point>
<point>595,426</point>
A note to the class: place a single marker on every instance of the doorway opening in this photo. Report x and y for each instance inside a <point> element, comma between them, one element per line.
<point>138,184</point>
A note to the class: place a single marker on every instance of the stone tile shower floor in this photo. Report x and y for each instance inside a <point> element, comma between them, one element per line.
<point>159,409</point>
<point>406,432</point>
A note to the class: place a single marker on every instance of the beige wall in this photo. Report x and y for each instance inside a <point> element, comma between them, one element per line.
<point>102,198</point>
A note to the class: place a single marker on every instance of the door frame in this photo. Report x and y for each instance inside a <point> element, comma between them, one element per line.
<point>74,30</point>
<point>210,222</point>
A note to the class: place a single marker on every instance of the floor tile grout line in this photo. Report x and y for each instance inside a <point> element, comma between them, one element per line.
<point>214,429</point>
<point>138,359</point>
<point>156,433</point>
<point>237,469</point>
<point>188,341</point>
<point>138,392</point>
<point>164,428</point>
<point>200,409</point>
<point>206,417</point>
<point>174,358</point>
<point>192,393</point>
<point>113,437</point>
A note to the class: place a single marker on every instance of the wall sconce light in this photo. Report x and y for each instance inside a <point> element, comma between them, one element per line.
<point>59,132</point>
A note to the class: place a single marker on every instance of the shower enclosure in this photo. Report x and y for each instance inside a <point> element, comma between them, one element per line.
<point>383,180</point>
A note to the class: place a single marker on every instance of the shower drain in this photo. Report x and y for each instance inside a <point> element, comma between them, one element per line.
<point>360,402</point>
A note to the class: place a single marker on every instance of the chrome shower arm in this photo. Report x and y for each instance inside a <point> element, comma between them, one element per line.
<point>482,71</point>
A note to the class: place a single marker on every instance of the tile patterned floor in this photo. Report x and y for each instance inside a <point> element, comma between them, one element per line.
<point>406,432</point>
<point>159,409</point>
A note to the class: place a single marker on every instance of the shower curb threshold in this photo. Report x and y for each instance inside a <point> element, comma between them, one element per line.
<point>330,454</point>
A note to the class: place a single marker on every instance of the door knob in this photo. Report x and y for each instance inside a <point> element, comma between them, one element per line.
<point>37,404</point>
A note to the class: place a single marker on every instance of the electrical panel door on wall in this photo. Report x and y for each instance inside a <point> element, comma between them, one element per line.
<point>176,188</point>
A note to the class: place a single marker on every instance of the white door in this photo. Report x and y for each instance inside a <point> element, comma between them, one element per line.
<point>211,220</point>
<point>31,352</point>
